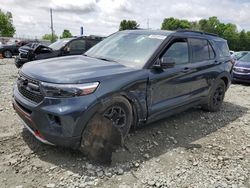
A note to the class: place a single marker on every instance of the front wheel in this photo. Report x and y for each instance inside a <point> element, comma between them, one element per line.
<point>107,129</point>
<point>216,97</point>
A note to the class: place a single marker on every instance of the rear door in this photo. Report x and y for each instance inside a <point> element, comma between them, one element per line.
<point>203,59</point>
<point>77,47</point>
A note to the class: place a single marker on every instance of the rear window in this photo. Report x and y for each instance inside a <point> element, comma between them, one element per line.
<point>223,48</point>
<point>201,50</point>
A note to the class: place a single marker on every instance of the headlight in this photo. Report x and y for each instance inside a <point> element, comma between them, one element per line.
<point>68,90</point>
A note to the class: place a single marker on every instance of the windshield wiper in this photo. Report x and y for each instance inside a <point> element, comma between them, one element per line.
<point>106,59</point>
<point>101,58</point>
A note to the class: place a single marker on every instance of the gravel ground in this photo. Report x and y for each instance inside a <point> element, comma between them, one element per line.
<point>191,149</point>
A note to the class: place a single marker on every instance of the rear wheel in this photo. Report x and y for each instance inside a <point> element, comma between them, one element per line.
<point>216,97</point>
<point>7,54</point>
<point>107,129</point>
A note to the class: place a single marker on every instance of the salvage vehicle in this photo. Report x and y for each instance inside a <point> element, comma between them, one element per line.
<point>241,70</point>
<point>10,49</point>
<point>63,47</point>
<point>132,78</point>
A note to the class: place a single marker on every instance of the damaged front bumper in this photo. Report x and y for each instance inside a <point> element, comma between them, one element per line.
<point>55,121</point>
<point>26,117</point>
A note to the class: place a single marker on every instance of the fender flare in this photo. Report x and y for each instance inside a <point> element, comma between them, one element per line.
<point>226,77</point>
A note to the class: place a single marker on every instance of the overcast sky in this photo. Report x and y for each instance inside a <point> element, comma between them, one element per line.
<point>102,17</point>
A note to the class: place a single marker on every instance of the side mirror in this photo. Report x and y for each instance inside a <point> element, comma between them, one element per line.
<point>165,62</point>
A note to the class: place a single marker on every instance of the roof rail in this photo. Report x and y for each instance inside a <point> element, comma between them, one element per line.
<point>199,32</point>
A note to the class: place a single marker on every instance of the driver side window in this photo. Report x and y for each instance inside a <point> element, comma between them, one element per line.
<point>178,52</point>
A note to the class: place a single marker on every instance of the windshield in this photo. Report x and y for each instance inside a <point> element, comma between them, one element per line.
<point>59,44</point>
<point>130,49</point>
<point>245,58</point>
<point>239,55</point>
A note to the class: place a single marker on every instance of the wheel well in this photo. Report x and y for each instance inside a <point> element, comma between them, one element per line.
<point>134,109</point>
<point>225,80</point>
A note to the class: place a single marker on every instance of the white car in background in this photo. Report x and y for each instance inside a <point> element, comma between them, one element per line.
<point>232,53</point>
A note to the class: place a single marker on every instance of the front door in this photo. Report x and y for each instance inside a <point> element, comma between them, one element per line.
<point>170,88</point>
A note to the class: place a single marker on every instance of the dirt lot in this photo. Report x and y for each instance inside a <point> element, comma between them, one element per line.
<point>191,149</point>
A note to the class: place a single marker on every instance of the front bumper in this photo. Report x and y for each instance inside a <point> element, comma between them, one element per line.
<point>55,121</point>
<point>241,77</point>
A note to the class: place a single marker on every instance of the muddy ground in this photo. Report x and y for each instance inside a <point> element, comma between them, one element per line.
<point>190,149</point>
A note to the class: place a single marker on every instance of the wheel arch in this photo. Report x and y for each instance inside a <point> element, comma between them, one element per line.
<point>226,78</point>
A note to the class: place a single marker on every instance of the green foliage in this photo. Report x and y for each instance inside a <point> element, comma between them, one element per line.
<point>66,34</point>
<point>175,24</point>
<point>128,24</point>
<point>6,25</point>
<point>238,41</point>
<point>49,37</point>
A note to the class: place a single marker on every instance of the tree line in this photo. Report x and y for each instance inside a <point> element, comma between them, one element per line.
<point>65,34</point>
<point>238,41</point>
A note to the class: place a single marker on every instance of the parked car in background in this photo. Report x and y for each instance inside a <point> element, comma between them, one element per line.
<point>11,49</point>
<point>241,70</point>
<point>132,77</point>
<point>63,47</point>
<point>240,54</point>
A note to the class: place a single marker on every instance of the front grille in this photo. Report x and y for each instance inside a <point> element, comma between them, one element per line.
<point>242,77</point>
<point>242,70</point>
<point>29,88</point>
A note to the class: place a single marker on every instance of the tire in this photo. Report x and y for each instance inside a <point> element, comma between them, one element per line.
<point>7,54</point>
<point>107,129</point>
<point>216,97</point>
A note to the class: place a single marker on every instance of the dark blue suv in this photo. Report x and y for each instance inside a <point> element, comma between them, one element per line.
<point>129,79</point>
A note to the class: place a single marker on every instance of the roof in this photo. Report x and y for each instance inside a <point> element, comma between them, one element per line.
<point>187,33</point>
<point>149,32</point>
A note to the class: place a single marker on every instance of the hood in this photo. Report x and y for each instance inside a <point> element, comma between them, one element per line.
<point>72,69</point>
<point>25,49</point>
<point>242,64</point>
<point>33,48</point>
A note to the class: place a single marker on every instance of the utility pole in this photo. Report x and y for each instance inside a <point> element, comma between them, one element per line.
<point>51,25</point>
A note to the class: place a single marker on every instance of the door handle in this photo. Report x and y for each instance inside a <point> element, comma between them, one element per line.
<point>186,69</point>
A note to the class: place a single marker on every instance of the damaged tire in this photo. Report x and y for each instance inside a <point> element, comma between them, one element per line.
<point>107,129</point>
